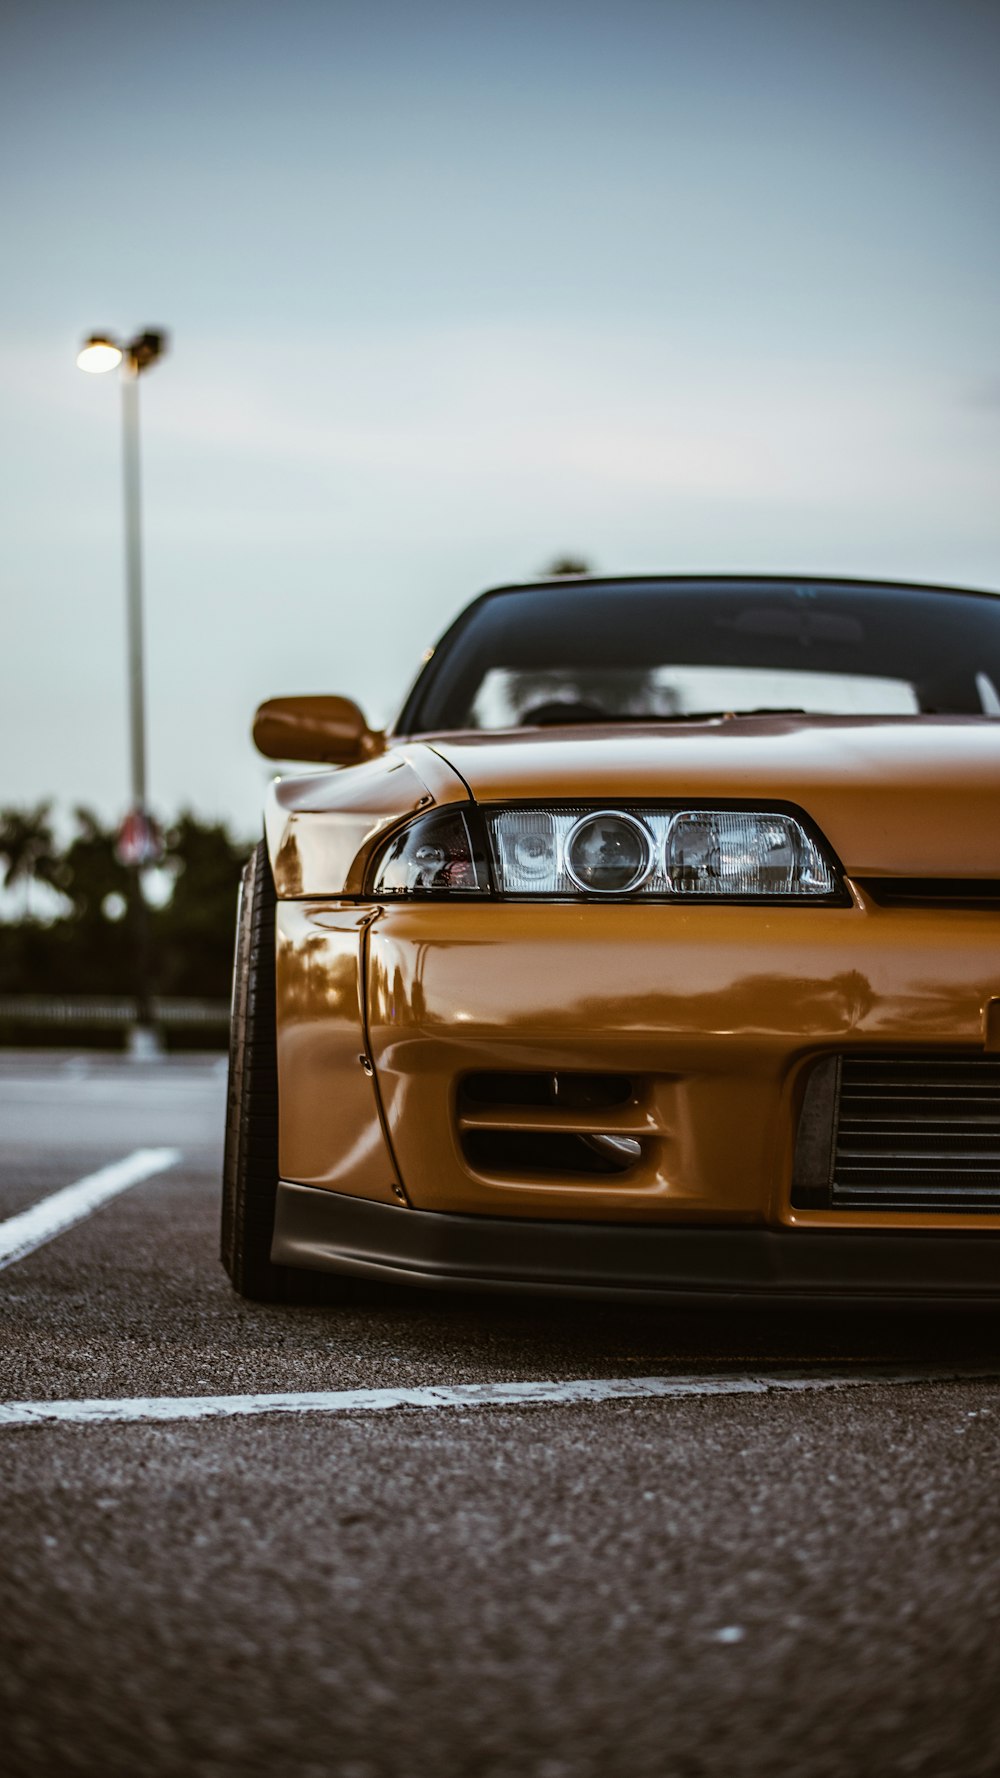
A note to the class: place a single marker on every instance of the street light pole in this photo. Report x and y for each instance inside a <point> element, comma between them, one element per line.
<point>133,583</point>
<point>137,842</point>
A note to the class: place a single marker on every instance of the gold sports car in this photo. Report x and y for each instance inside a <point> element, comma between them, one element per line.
<point>655,948</point>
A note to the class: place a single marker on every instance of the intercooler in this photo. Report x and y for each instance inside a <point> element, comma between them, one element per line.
<point>918,1131</point>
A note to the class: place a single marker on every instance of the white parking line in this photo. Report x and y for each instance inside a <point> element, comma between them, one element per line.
<point>466,1395</point>
<point>20,1235</point>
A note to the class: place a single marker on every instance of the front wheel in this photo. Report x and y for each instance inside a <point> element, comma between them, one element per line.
<point>250,1167</point>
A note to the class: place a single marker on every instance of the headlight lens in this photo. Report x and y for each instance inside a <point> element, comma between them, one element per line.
<point>662,854</point>
<point>727,852</point>
<point>608,852</point>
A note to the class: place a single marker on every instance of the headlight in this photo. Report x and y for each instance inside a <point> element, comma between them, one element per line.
<point>670,854</point>
<point>739,854</point>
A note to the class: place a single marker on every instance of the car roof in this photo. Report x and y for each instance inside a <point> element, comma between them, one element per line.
<point>543,582</point>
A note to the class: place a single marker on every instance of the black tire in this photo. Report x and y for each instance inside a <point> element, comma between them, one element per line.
<point>250,1167</point>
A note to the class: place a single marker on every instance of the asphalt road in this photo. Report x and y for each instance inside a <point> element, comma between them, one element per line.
<point>725,1583</point>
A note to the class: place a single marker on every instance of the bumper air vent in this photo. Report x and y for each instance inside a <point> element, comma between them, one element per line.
<point>542,1125</point>
<point>914,1132</point>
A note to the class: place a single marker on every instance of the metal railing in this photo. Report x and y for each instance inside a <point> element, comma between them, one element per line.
<point>108,1012</point>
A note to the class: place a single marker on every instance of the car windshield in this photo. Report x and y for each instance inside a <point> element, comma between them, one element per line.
<point>675,650</point>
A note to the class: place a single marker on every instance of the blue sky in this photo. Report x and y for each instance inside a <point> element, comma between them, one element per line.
<point>452,289</point>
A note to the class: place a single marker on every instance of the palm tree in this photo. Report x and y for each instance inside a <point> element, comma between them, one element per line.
<point>27,848</point>
<point>88,871</point>
<point>567,565</point>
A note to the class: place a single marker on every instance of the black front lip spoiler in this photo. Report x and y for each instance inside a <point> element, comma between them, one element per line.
<point>325,1231</point>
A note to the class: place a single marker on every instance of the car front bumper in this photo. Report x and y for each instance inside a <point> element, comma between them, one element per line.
<point>327,1231</point>
<point>715,1018</point>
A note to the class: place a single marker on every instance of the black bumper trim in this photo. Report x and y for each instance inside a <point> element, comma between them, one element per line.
<point>325,1231</point>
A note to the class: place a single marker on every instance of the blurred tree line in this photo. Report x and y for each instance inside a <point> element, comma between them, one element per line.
<point>65,928</point>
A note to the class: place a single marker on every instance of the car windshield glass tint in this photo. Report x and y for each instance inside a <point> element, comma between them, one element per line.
<point>509,695</point>
<point>586,653</point>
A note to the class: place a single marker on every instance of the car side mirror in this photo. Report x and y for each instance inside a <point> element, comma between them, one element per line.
<point>331,730</point>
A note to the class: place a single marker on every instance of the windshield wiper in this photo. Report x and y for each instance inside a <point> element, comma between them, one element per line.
<point>706,715</point>
<point>579,717</point>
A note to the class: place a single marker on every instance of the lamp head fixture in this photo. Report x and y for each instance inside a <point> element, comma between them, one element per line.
<point>101,351</point>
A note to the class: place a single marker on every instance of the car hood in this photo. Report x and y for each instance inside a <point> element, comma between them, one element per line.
<point>894,796</point>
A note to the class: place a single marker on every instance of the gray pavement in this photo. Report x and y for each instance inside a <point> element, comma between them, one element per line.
<point>719,1585</point>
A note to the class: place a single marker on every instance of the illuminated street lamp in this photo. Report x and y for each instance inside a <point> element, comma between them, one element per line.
<point>138,843</point>
<point>98,353</point>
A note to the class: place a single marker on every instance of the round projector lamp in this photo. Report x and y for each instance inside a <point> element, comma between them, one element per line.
<point>608,853</point>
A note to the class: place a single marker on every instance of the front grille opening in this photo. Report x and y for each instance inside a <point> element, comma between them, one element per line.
<point>571,1091</point>
<point>916,1132</point>
<point>537,1154</point>
<point>940,892</point>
